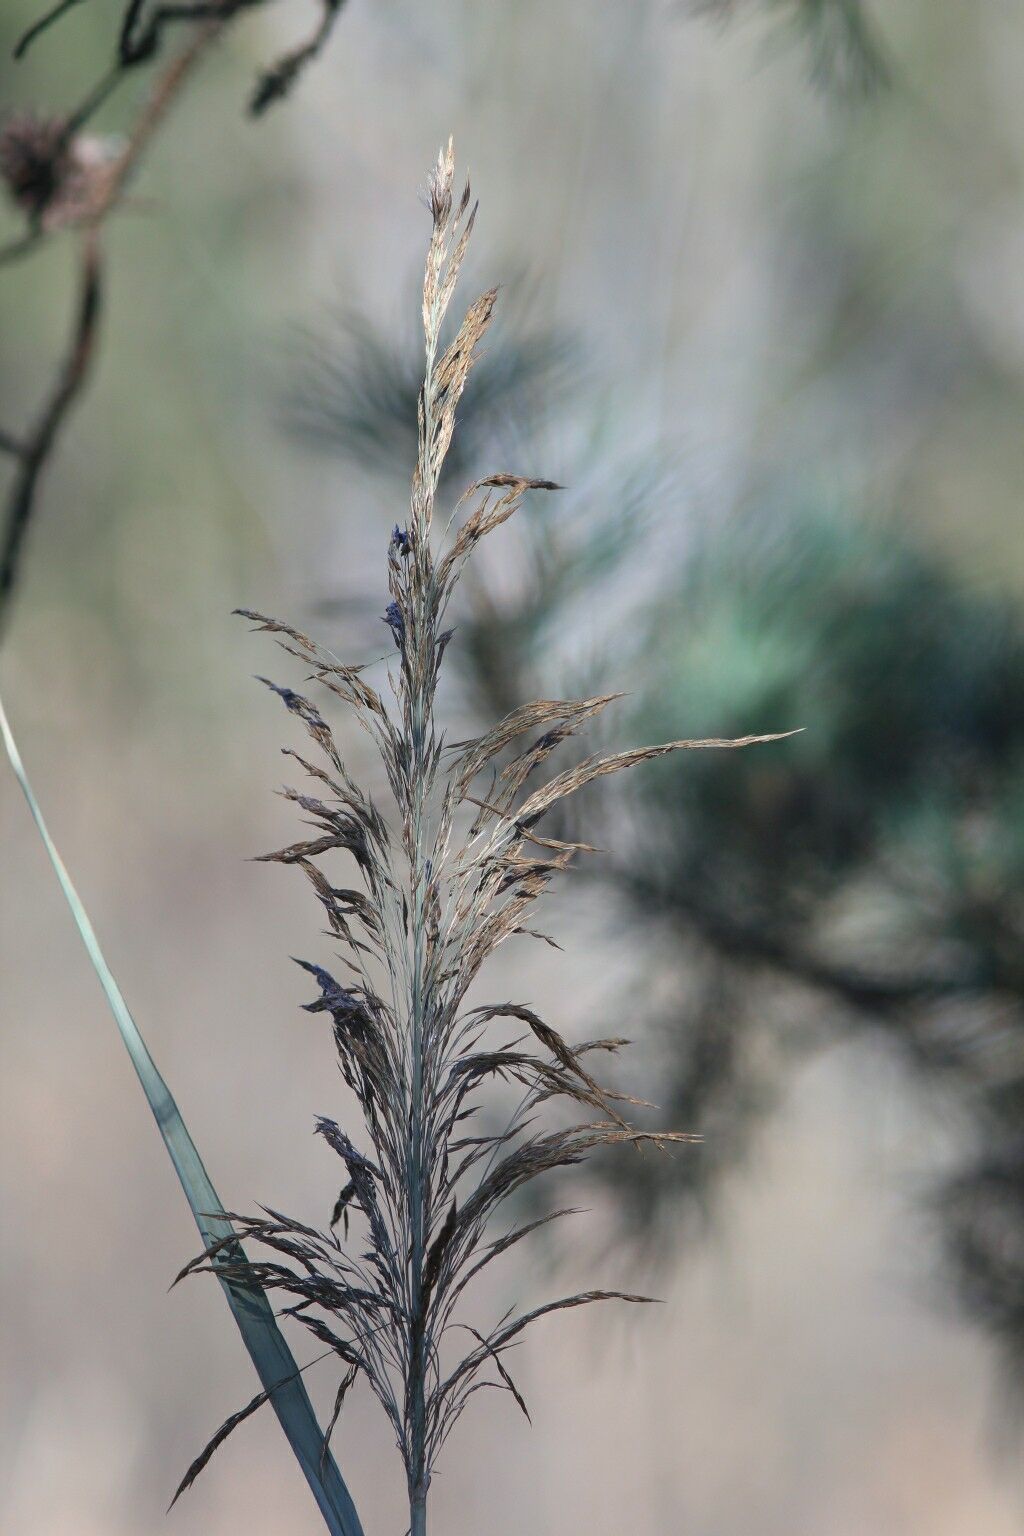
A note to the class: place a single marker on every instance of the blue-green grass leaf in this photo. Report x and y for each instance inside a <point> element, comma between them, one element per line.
<point>252,1312</point>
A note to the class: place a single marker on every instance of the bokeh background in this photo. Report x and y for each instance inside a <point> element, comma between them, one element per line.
<point>763,315</point>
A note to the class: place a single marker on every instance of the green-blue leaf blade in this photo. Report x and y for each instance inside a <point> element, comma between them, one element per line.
<point>252,1312</point>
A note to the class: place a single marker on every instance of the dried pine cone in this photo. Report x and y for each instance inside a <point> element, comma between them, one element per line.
<point>54,177</point>
<point>36,160</point>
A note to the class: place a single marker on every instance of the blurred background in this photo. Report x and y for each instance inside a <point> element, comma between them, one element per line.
<point>763,316</point>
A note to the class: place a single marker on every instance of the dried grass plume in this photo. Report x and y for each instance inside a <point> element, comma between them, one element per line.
<point>448,875</point>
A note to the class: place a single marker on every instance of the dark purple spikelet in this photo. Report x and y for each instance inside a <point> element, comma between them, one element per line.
<point>400,540</point>
<point>393,618</point>
<point>345,1006</point>
<point>288,696</point>
<point>332,994</point>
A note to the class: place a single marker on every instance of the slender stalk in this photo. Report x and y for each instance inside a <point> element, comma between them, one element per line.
<point>421,703</point>
<point>419,1215</point>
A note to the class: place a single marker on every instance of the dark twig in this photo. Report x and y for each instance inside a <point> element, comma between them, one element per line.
<point>65,190</point>
<point>34,452</point>
<point>278,81</point>
<point>94,100</point>
<point>162,97</point>
<point>42,25</point>
<point>140,38</point>
<point>137,45</point>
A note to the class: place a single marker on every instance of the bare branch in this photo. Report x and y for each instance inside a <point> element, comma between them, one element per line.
<point>277,82</point>
<point>56,176</point>
<point>42,25</point>
<point>93,197</point>
<point>33,454</point>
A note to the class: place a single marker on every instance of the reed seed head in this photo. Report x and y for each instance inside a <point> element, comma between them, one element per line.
<point>446,878</point>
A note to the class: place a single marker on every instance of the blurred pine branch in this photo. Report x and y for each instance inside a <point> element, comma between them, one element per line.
<point>841,40</point>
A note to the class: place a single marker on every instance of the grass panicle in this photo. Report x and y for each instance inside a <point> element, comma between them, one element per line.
<point>443,881</point>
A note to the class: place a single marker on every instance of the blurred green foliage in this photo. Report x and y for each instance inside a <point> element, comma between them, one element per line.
<point>910,768</point>
<point>872,867</point>
<point>843,45</point>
